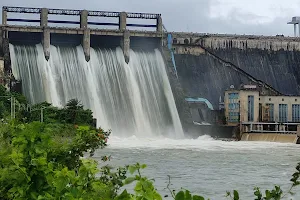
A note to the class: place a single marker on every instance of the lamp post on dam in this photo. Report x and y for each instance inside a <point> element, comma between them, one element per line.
<point>295,21</point>
<point>46,30</point>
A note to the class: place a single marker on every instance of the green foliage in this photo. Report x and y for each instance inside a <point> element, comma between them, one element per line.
<point>144,188</point>
<point>4,102</point>
<point>72,113</point>
<point>37,164</point>
<point>186,195</point>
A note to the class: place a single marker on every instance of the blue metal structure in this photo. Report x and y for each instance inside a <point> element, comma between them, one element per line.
<point>200,100</point>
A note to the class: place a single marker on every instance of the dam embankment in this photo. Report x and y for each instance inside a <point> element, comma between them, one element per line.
<point>209,64</point>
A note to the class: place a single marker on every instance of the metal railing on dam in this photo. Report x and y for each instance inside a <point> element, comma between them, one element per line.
<point>86,29</point>
<point>84,14</point>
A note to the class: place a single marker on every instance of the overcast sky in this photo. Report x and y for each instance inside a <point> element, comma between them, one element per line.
<point>262,17</point>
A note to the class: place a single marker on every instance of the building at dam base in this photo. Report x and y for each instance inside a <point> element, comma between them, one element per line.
<point>263,117</point>
<point>200,67</point>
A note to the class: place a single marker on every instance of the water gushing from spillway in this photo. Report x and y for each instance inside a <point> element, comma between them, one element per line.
<point>130,99</point>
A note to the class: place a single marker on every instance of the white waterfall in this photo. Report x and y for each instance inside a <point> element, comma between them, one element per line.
<point>130,99</point>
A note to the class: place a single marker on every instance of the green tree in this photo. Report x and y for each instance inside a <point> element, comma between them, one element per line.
<point>74,113</point>
<point>41,161</point>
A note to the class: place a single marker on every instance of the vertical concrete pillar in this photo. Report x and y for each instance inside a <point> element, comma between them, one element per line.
<point>44,17</point>
<point>289,114</point>
<point>295,32</point>
<point>4,17</point>
<point>125,44</point>
<point>159,24</point>
<point>5,48</point>
<point>46,43</point>
<point>276,112</point>
<point>86,43</point>
<point>122,21</point>
<point>86,34</point>
<point>84,19</point>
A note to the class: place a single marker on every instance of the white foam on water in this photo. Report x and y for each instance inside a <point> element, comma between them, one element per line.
<point>204,142</point>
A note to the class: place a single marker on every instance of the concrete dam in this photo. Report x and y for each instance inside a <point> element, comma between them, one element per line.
<point>149,80</point>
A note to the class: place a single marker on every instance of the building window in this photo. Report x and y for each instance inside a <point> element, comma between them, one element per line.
<point>233,117</point>
<point>250,108</point>
<point>271,111</point>
<point>296,112</point>
<point>282,99</point>
<point>270,99</point>
<point>233,95</point>
<point>283,113</point>
<point>233,107</point>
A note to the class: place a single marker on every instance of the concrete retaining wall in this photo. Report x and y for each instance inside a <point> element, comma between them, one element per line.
<point>243,42</point>
<point>270,137</point>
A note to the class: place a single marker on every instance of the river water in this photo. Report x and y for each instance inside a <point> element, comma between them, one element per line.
<point>206,166</point>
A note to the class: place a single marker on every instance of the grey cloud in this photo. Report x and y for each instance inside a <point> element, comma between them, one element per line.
<point>178,15</point>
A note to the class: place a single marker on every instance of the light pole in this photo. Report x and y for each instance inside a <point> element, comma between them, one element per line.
<point>42,113</point>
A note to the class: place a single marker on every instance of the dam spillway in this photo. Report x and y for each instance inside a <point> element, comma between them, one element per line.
<point>131,99</point>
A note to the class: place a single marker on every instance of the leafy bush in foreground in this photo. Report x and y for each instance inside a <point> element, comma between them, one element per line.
<point>37,164</point>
